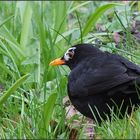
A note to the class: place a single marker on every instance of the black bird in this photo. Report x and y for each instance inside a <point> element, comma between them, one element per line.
<point>100,81</point>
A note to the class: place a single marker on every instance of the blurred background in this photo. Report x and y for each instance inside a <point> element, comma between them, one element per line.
<point>34,33</point>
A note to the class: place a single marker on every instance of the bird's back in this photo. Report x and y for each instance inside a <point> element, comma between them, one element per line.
<point>103,81</point>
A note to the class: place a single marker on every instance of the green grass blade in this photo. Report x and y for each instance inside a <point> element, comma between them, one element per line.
<point>96,15</point>
<point>13,88</point>
<point>6,20</point>
<point>6,70</point>
<point>78,6</point>
<point>41,29</point>
<point>47,114</point>
<point>9,38</point>
<point>80,27</point>
<point>10,56</point>
<point>60,17</point>
<point>26,25</point>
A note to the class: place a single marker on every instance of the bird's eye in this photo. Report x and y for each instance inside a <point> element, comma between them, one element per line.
<point>68,56</point>
<point>71,54</point>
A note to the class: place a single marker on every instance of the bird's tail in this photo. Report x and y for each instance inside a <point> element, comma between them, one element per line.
<point>138,81</point>
<point>137,86</point>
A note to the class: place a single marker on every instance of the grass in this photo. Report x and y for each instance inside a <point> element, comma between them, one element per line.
<point>126,128</point>
<point>34,33</point>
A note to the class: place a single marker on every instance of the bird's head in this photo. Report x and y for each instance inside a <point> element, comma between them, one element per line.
<point>75,54</point>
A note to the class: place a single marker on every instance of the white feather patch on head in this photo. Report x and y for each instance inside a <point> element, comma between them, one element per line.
<point>66,55</point>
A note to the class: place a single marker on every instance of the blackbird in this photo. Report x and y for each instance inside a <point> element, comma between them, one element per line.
<point>100,81</point>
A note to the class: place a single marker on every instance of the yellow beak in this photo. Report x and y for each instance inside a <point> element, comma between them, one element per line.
<point>57,62</point>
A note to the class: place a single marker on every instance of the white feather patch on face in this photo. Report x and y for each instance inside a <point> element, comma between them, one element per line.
<point>67,56</point>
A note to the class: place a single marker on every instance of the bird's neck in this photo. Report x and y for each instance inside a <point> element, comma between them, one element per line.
<point>77,61</point>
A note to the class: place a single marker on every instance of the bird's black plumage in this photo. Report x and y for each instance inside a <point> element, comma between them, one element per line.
<point>100,80</point>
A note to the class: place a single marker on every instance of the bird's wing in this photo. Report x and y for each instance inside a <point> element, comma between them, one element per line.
<point>129,65</point>
<point>100,79</point>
